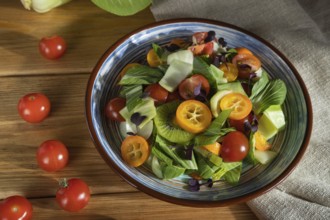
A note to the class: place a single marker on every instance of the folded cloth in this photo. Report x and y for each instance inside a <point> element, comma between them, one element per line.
<point>301,30</point>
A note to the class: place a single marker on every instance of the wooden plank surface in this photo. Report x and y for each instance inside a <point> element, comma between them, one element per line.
<point>88,32</point>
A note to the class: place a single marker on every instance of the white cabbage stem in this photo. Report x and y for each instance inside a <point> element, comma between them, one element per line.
<point>42,6</point>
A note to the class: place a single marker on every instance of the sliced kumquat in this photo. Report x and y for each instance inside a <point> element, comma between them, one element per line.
<point>243,50</point>
<point>261,142</point>
<point>240,104</point>
<point>153,59</point>
<point>230,71</point>
<point>213,148</point>
<point>135,150</point>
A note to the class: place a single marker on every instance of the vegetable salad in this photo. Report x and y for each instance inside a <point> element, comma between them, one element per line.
<point>199,108</point>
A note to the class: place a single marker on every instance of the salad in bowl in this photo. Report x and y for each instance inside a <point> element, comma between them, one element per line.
<point>198,108</point>
<point>198,112</point>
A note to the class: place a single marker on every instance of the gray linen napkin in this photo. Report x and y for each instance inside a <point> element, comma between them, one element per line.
<point>301,30</point>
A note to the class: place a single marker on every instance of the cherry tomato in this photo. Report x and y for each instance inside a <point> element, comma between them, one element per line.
<point>153,59</point>
<point>73,194</point>
<point>213,148</point>
<point>199,37</point>
<point>239,124</point>
<point>15,207</point>
<point>234,147</point>
<point>188,87</point>
<point>52,47</point>
<point>128,67</point>
<point>240,104</point>
<point>157,92</point>
<point>34,107</point>
<point>52,155</point>
<point>202,49</point>
<point>113,108</point>
<point>193,116</point>
<point>230,71</point>
<point>173,96</point>
<point>246,64</point>
<point>241,50</point>
<point>135,150</point>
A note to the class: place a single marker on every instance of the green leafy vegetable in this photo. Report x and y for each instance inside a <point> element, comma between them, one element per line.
<point>141,75</point>
<point>122,7</point>
<point>133,97</point>
<point>216,160</point>
<point>233,175</point>
<point>273,94</point>
<point>260,84</point>
<point>226,167</point>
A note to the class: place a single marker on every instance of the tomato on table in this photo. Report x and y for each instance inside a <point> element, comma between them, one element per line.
<point>234,147</point>
<point>240,104</point>
<point>193,116</point>
<point>73,194</point>
<point>52,155</point>
<point>191,87</point>
<point>135,150</point>
<point>230,71</point>
<point>113,108</point>
<point>246,64</point>
<point>34,107</point>
<point>52,47</point>
<point>15,207</point>
<point>157,92</point>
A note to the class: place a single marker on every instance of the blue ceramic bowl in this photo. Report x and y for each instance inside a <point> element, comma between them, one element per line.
<point>290,143</point>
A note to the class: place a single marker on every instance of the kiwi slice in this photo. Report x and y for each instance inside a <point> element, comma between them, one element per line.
<point>164,122</point>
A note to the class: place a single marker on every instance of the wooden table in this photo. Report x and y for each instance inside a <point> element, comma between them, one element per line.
<point>88,31</point>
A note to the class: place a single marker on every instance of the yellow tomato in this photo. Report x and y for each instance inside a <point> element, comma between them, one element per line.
<point>127,67</point>
<point>241,50</point>
<point>261,142</point>
<point>213,148</point>
<point>240,104</point>
<point>153,59</point>
<point>193,116</point>
<point>230,71</point>
<point>135,150</point>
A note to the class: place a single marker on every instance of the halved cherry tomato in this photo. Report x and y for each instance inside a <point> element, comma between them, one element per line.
<point>246,64</point>
<point>188,87</point>
<point>173,96</point>
<point>213,148</point>
<point>52,155</point>
<point>240,104</point>
<point>239,124</point>
<point>153,59</point>
<point>230,71</point>
<point>261,142</point>
<point>202,49</point>
<point>15,207</point>
<point>199,37</point>
<point>234,147</point>
<point>157,92</point>
<point>241,50</point>
<point>135,150</point>
<point>113,108</point>
<point>193,116</point>
<point>127,67</point>
<point>34,107</point>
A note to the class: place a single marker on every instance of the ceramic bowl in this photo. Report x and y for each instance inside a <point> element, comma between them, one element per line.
<point>290,143</point>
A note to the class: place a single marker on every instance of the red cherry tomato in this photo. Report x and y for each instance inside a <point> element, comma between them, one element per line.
<point>73,195</point>
<point>34,107</point>
<point>173,96</point>
<point>157,92</point>
<point>239,124</point>
<point>15,207</point>
<point>188,87</point>
<point>52,155</point>
<point>234,147</point>
<point>113,108</point>
<point>52,47</point>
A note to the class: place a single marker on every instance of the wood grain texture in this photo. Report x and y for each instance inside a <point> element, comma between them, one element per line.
<point>88,32</point>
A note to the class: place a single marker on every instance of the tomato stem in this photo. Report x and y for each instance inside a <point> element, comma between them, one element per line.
<point>63,183</point>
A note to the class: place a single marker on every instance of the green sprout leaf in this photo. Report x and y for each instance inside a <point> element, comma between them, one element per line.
<point>122,7</point>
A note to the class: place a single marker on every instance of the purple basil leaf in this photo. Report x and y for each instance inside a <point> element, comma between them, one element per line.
<point>197,89</point>
<point>209,183</point>
<point>193,185</point>
<point>137,118</point>
<point>188,152</point>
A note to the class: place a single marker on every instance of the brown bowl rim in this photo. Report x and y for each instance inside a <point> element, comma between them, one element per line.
<point>186,202</point>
